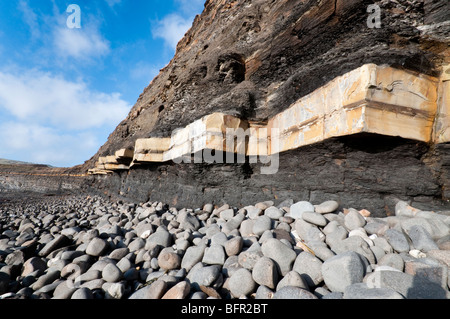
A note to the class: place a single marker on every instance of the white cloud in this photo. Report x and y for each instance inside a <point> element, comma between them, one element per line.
<point>190,6</point>
<point>48,119</point>
<point>171,29</point>
<point>45,98</point>
<point>112,3</point>
<point>30,18</point>
<point>83,44</point>
<point>44,145</point>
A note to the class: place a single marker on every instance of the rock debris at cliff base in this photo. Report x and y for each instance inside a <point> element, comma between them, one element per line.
<point>93,248</point>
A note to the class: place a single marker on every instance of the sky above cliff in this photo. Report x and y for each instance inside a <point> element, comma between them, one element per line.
<point>70,71</point>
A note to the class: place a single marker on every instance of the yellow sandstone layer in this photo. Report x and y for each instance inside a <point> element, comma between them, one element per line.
<point>372,99</point>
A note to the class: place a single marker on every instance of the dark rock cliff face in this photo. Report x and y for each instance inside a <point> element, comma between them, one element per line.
<point>252,59</point>
<point>370,172</point>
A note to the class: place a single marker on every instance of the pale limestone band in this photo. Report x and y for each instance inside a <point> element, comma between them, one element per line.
<point>372,99</point>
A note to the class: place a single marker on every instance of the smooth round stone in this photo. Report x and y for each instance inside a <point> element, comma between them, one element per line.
<point>309,268</point>
<point>280,253</point>
<point>274,213</point>
<point>314,218</point>
<point>392,260</point>
<point>262,223</point>
<point>82,293</point>
<point>169,260</point>
<point>343,270</point>
<point>264,293</point>
<point>327,207</point>
<point>111,273</point>
<point>265,272</point>
<point>204,276</point>
<point>192,256</point>
<point>421,238</point>
<point>293,279</point>
<point>290,292</point>
<point>354,220</point>
<point>214,255</point>
<point>297,210</point>
<point>97,247</point>
<point>179,291</point>
<point>33,264</point>
<point>154,291</point>
<point>397,240</point>
<point>234,246</point>
<point>119,253</point>
<point>362,291</point>
<point>241,283</point>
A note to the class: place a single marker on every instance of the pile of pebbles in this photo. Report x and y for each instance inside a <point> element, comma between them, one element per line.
<point>92,248</point>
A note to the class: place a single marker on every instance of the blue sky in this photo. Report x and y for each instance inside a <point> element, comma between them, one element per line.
<point>64,90</point>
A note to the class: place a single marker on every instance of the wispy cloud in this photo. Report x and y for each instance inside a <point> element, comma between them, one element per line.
<point>30,18</point>
<point>45,145</point>
<point>171,29</point>
<point>45,98</point>
<point>112,3</point>
<point>82,44</point>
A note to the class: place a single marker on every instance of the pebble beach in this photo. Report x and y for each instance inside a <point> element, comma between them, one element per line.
<point>88,247</point>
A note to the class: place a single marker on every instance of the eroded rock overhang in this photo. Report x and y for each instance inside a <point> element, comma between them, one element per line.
<point>371,99</point>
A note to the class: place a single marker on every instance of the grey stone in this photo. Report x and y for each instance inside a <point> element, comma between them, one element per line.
<point>248,258</point>
<point>112,273</point>
<point>46,279</point>
<point>204,276</point>
<point>273,212</point>
<point>154,291</point>
<point>309,268</point>
<point>82,293</point>
<point>241,283</point>
<point>58,242</point>
<point>97,247</point>
<point>314,218</point>
<point>343,270</point>
<point>265,272</point>
<point>293,279</point>
<point>307,231</point>
<point>33,264</point>
<point>64,290</point>
<point>234,246</point>
<point>227,214</point>
<point>219,239</point>
<point>421,238</point>
<point>233,223</point>
<point>161,237</point>
<point>246,227</point>
<point>136,244</point>
<point>289,292</point>
<point>264,292</point>
<point>119,253</point>
<point>280,253</point>
<point>193,255</point>
<point>114,290</point>
<point>354,220</point>
<point>262,223</point>
<point>362,291</point>
<point>253,212</point>
<point>409,286</point>
<point>327,207</point>
<point>214,255</point>
<point>297,209</point>
<point>397,240</point>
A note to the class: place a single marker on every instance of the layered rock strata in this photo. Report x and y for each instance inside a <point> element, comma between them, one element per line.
<point>371,99</point>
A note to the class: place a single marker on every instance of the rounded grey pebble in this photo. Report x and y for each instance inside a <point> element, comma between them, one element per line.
<point>289,292</point>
